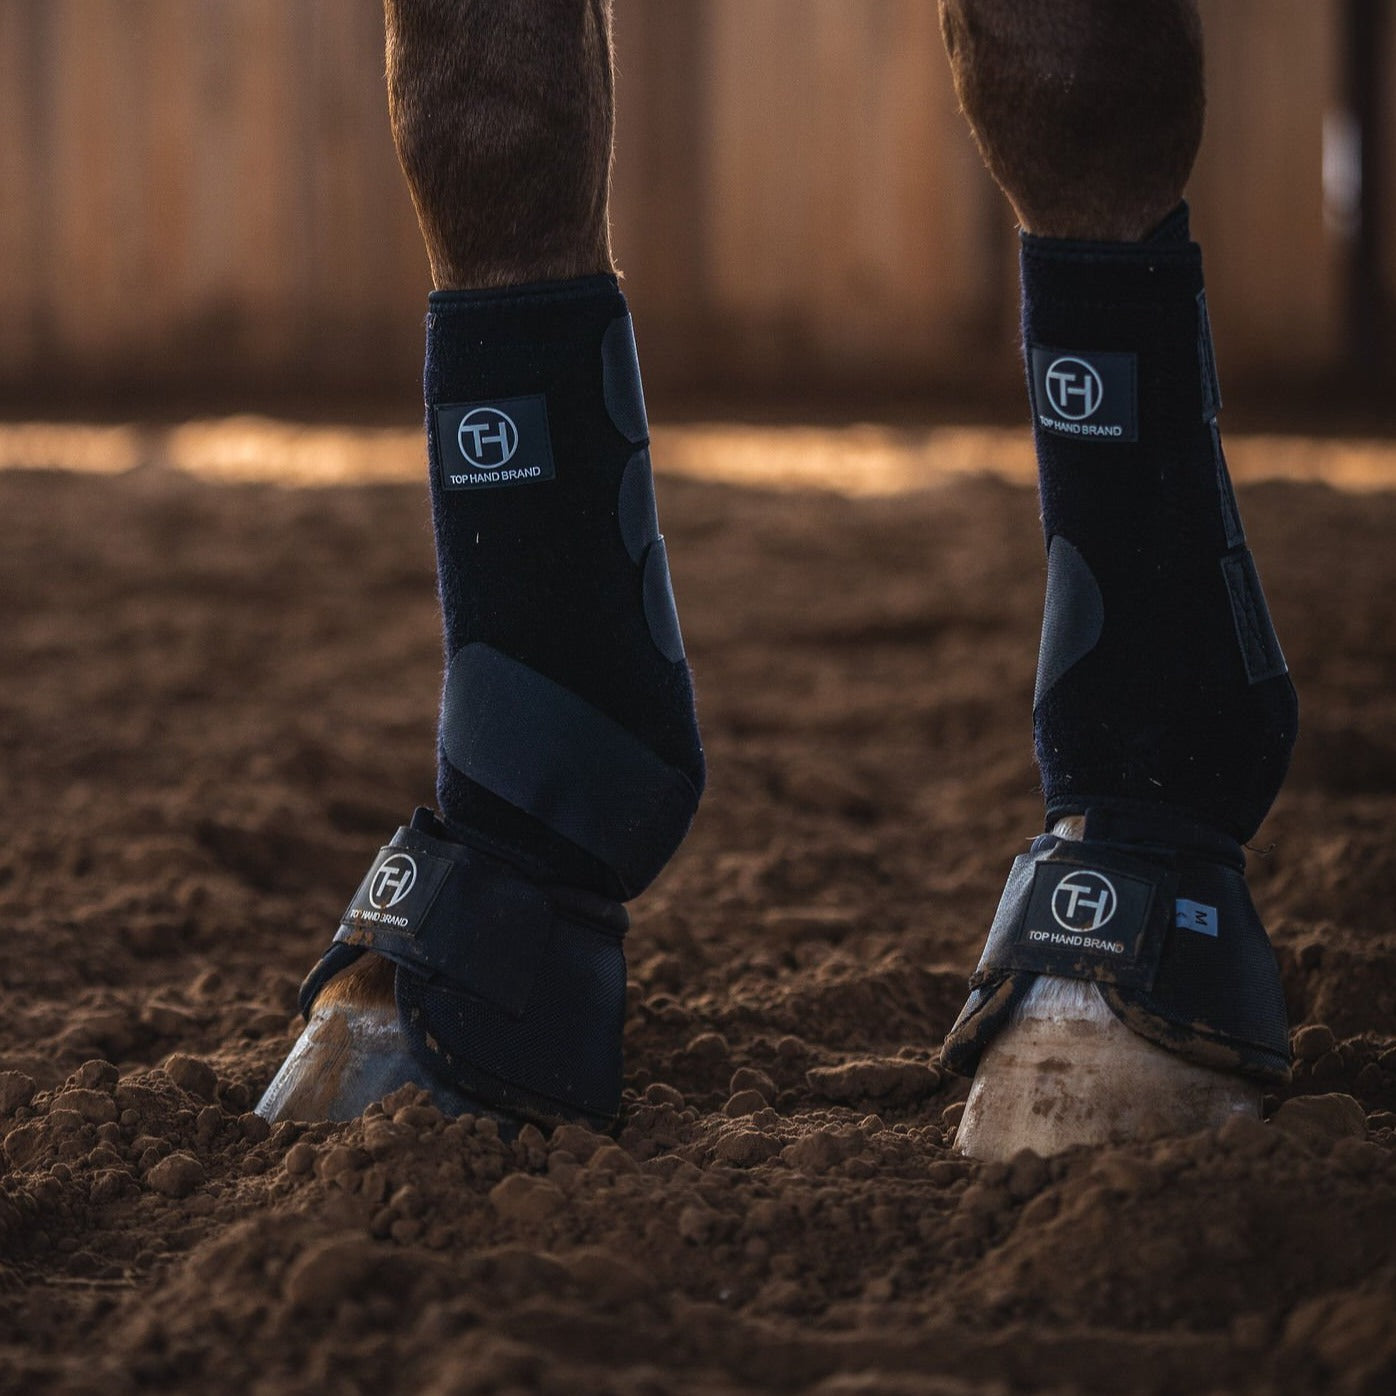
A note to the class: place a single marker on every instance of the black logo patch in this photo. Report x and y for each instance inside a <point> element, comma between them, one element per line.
<point>1085,396</point>
<point>486,445</point>
<point>1088,923</point>
<point>396,895</point>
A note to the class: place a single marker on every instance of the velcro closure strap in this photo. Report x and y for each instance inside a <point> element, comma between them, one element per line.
<point>553,755</point>
<point>453,913</point>
<point>1082,911</point>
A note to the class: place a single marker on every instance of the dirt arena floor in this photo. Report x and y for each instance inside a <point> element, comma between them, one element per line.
<point>217,698</point>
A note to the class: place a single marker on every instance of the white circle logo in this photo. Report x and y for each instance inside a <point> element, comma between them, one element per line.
<point>487,438</point>
<point>1074,389</point>
<point>393,881</point>
<point>1084,901</point>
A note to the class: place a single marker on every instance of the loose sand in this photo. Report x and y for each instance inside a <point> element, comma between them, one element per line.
<point>218,698</point>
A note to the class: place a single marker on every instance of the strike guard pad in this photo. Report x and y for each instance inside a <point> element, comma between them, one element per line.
<point>510,988</point>
<point>1156,912</point>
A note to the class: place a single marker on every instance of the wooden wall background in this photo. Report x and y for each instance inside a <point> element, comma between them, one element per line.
<point>201,195</point>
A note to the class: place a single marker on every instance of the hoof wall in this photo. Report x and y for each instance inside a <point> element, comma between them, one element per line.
<point>349,1056</point>
<point>1067,1072</point>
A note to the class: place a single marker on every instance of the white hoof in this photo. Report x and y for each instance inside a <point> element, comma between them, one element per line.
<point>1066,1071</point>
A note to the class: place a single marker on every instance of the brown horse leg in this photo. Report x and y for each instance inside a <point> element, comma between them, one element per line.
<point>1089,115</point>
<point>502,114</point>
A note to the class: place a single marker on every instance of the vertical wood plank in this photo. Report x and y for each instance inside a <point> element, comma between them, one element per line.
<point>20,87</point>
<point>368,275</point>
<point>270,254</point>
<point>659,218</point>
<point>1274,284</point>
<point>1386,198</point>
<point>846,203</point>
<point>168,105</point>
<point>88,157</point>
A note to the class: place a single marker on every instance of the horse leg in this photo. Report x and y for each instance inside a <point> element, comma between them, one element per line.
<point>1127,984</point>
<point>481,956</point>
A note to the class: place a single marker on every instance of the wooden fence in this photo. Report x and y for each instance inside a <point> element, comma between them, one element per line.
<point>201,195</point>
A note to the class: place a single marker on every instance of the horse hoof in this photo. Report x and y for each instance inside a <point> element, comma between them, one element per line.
<point>1066,1072</point>
<point>351,1053</point>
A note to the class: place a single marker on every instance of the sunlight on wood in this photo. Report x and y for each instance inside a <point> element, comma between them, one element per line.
<point>862,460</point>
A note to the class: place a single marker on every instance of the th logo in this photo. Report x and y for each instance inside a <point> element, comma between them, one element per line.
<point>393,881</point>
<point>487,438</point>
<point>1083,901</point>
<point>1074,389</point>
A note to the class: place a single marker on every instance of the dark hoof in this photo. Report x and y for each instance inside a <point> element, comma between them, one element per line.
<point>352,1053</point>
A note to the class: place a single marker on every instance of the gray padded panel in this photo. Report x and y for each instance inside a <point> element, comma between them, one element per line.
<point>620,367</point>
<point>661,614</point>
<point>636,511</point>
<point>1073,618</point>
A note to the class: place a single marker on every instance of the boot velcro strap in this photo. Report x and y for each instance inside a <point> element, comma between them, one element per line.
<point>454,914</point>
<point>1170,936</point>
<point>1084,911</point>
<point>553,755</point>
